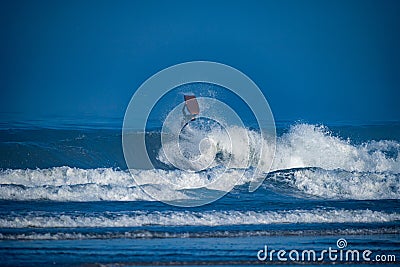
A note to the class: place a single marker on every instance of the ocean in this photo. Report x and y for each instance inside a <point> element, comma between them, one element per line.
<point>67,198</point>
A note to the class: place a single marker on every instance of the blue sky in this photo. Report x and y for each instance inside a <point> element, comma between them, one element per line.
<point>317,61</point>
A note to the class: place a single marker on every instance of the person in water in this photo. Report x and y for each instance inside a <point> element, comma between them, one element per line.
<point>190,109</point>
<point>187,116</point>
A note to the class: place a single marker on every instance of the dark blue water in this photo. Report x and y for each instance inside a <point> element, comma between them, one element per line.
<point>68,199</point>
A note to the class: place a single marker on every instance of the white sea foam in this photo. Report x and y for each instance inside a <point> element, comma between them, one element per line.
<point>234,147</point>
<point>304,145</point>
<point>308,145</point>
<point>61,176</point>
<point>79,234</point>
<point>339,169</point>
<point>188,218</point>
<point>74,184</point>
<point>340,184</point>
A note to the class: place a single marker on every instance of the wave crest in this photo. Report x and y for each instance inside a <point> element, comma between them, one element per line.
<point>188,218</point>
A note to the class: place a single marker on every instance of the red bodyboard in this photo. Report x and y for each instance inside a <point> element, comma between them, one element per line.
<point>192,104</point>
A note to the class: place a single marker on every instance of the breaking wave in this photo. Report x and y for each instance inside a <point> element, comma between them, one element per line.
<point>80,234</point>
<point>308,159</point>
<point>304,145</point>
<point>190,218</point>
